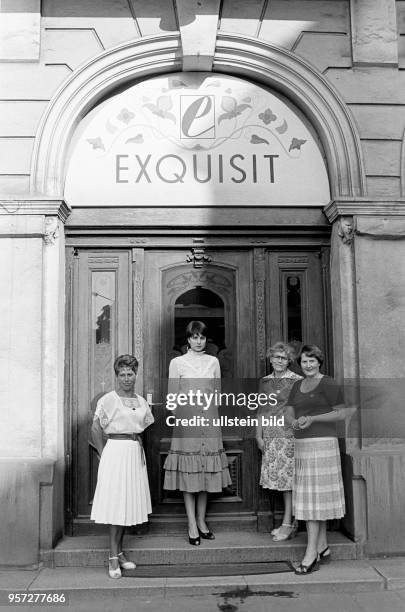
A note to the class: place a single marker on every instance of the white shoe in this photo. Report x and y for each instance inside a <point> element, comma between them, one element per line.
<point>114,573</point>
<point>275,531</point>
<point>124,563</point>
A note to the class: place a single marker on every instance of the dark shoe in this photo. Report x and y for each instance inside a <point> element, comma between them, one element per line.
<point>194,541</point>
<point>307,569</point>
<point>207,535</point>
<point>324,556</point>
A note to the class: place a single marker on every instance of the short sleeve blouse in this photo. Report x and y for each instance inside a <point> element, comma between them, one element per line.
<point>321,400</point>
<point>118,416</point>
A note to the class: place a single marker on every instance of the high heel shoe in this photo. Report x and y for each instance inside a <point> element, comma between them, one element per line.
<point>124,563</point>
<point>194,541</point>
<point>324,556</point>
<point>114,573</point>
<point>308,569</point>
<point>206,535</point>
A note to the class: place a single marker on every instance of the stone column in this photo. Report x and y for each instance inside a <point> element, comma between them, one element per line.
<point>368,293</point>
<point>31,366</point>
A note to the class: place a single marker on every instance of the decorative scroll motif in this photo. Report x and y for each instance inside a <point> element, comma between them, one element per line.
<point>51,231</point>
<point>138,259</point>
<point>259,273</point>
<point>345,230</point>
<point>212,279</point>
<point>235,488</point>
<point>198,258</point>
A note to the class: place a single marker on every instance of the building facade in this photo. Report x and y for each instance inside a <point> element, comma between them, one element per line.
<point>239,162</point>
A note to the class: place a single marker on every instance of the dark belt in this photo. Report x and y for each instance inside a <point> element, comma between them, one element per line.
<point>127,436</point>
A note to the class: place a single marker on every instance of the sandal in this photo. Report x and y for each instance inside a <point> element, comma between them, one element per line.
<point>307,569</point>
<point>288,533</point>
<point>124,563</point>
<point>114,573</point>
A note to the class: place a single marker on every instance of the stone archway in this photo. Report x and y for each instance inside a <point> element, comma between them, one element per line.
<point>242,56</point>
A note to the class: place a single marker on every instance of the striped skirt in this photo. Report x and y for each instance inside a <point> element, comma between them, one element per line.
<point>318,487</point>
<point>122,493</point>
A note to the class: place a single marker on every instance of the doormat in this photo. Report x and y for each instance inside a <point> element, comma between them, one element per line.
<point>212,570</point>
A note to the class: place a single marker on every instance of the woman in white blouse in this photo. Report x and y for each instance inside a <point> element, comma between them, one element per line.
<point>122,494</point>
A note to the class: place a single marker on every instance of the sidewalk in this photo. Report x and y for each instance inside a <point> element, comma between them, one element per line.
<point>370,585</point>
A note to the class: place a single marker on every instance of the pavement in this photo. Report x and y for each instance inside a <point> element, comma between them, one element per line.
<point>351,585</point>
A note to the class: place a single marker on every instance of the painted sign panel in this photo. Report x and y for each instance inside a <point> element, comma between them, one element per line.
<point>195,139</point>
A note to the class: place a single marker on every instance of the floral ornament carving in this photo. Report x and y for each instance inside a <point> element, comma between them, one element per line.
<point>51,230</point>
<point>345,230</point>
<point>198,257</point>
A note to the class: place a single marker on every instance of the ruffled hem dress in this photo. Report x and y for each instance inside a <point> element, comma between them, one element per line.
<point>122,495</point>
<point>196,460</point>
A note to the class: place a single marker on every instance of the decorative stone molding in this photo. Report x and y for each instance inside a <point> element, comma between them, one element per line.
<point>51,230</point>
<point>35,206</point>
<point>364,206</point>
<point>345,230</point>
<point>234,54</point>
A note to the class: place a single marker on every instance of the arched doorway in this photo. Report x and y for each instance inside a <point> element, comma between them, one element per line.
<point>277,69</point>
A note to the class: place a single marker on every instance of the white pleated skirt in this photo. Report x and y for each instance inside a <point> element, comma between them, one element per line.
<point>122,495</point>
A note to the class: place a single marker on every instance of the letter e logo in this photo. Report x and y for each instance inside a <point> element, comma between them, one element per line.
<point>197,114</point>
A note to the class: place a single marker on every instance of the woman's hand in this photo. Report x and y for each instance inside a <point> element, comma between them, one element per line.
<point>260,444</point>
<point>304,422</point>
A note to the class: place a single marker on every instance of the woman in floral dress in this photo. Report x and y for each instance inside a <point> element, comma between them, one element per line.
<point>277,443</point>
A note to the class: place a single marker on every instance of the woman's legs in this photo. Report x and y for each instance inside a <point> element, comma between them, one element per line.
<point>189,503</point>
<point>285,530</point>
<point>322,537</point>
<point>116,535</point>
<point>313,528</point>
<point>201,510</point>
<point>287,518</point>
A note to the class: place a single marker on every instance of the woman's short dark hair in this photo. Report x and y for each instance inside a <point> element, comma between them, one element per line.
<point>311,350</point>
<point>125,361</point>
<point>196,327</point>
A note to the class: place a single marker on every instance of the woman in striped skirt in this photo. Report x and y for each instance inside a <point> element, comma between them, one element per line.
<point>315,405</point>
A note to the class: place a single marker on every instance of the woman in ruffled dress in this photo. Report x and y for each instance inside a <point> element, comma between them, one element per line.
<point>277,442</point>
<point>196,463</point>
<point>122,496</point>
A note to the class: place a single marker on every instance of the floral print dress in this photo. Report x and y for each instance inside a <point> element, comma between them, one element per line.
<point>277,471</point>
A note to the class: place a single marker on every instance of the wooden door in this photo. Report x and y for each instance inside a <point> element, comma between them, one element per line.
<point>221,294</point>
<point>101,330</point>
<point>139,301</point>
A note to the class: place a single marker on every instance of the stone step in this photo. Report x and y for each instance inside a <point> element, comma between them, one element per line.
<point>92,585</point>
<point>175,525</point>
<point>228,547</point>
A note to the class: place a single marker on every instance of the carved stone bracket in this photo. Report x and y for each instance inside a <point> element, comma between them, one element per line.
<point>51,230</point>
<point>345,230</point>
<point>198,258</point>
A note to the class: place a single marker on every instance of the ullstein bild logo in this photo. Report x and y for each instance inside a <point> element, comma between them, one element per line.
<point>197,116</point>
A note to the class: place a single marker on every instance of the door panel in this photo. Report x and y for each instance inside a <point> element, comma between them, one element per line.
<point>296,309</point>
<point>102,330</point>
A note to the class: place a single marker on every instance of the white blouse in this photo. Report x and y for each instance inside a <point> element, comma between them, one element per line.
<point>117,415</point>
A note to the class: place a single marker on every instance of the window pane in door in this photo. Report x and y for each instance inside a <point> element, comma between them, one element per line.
<point>103,338</point>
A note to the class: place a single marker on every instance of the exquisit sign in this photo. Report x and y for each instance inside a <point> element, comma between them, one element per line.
<point>207,140</point>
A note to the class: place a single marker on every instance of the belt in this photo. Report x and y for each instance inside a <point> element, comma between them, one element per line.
<point>127,436</point>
